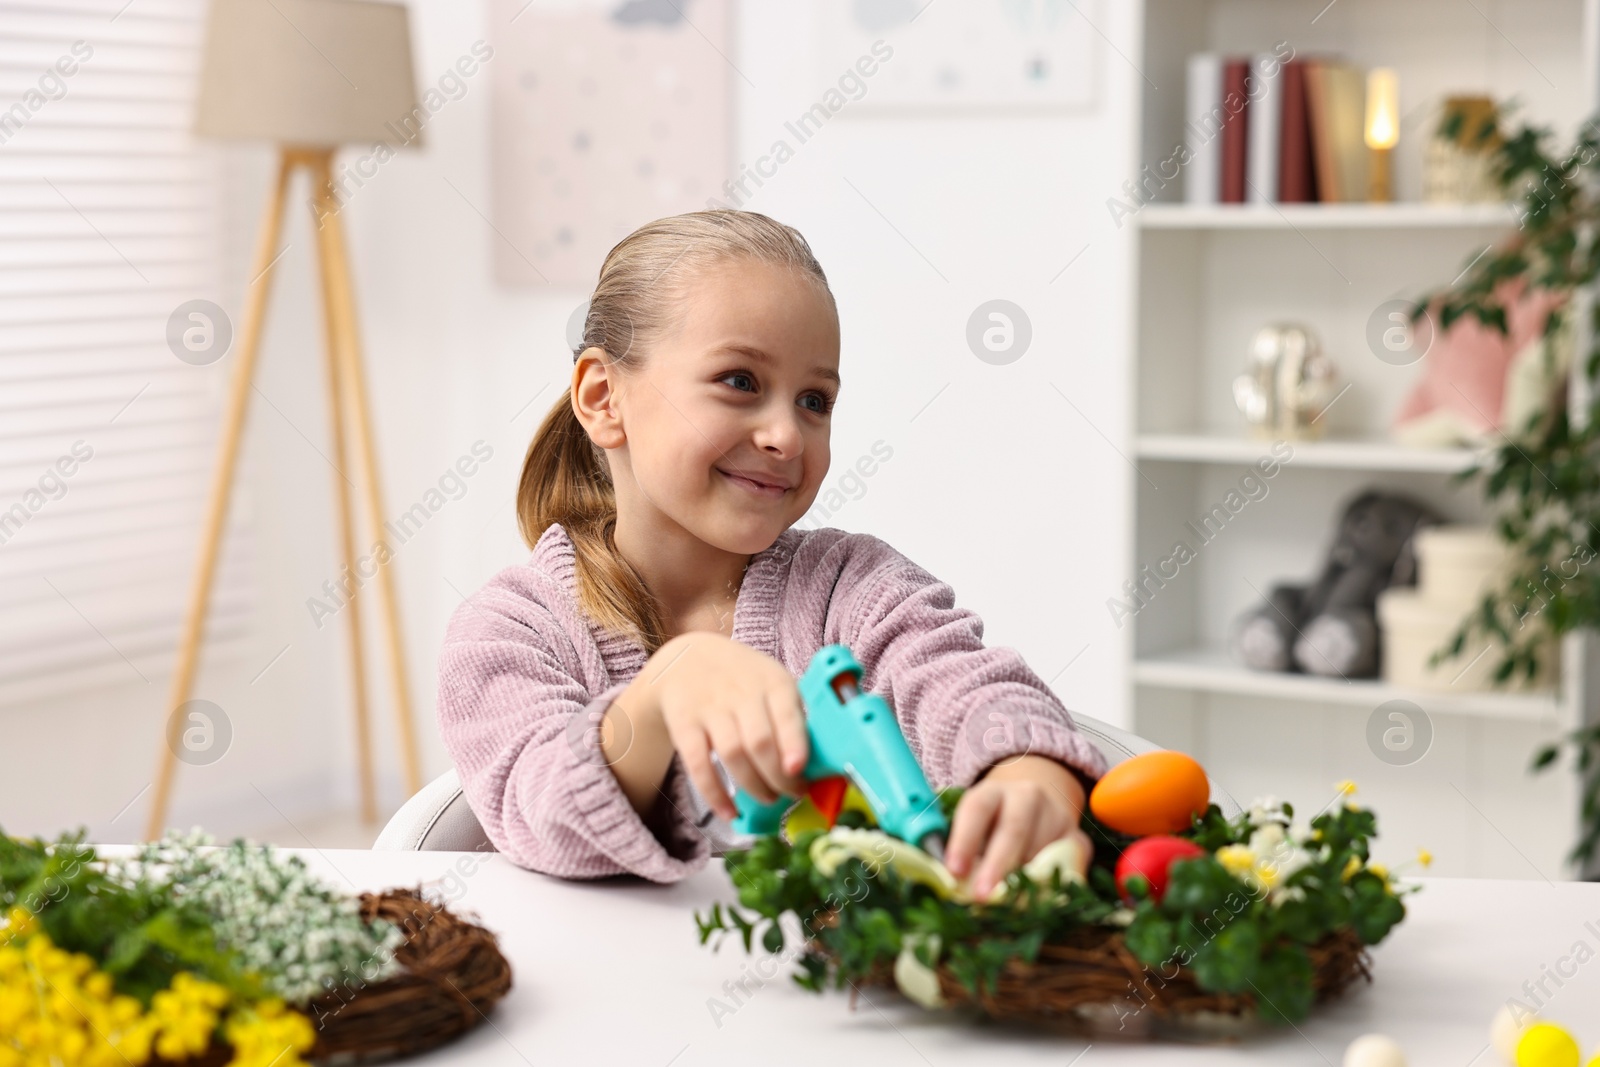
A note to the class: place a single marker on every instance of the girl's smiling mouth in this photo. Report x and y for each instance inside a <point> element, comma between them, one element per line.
<point>763,485</point>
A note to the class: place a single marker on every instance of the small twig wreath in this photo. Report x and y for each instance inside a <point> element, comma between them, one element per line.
<point>453,973</point>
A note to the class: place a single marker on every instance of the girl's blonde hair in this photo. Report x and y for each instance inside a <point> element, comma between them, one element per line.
<point>565,477</point>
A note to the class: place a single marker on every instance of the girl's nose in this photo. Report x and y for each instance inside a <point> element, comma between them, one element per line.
<point>780,435</point>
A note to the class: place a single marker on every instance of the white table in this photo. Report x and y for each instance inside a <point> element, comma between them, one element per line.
<point>612,972</point>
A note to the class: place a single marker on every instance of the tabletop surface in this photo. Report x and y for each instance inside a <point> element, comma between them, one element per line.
<point>612,972</point>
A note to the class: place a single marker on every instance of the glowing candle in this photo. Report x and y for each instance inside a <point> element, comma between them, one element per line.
<point>1382,130</point>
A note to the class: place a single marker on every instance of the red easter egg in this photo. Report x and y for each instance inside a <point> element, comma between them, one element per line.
<point>1152,857</point>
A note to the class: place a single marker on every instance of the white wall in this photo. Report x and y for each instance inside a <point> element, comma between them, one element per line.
<point>998,485</point>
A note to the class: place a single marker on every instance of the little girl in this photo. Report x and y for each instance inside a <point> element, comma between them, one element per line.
<point>669,601</point>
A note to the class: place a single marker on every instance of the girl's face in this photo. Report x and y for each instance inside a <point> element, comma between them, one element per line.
<point>725,426</point>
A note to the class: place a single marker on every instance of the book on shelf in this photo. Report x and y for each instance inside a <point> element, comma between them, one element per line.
<point>1265,93</point>
<point>1261,131</point>
<point>1203,116</point>
<point>1336,103</point>
<point>1235,130</point>
<point>1297,177</point>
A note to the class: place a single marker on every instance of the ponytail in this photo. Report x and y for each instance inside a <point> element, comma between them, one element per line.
<point>565,480</point>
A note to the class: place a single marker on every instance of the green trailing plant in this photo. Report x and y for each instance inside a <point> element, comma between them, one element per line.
<point>1543,480</point>
<point>856,920</point>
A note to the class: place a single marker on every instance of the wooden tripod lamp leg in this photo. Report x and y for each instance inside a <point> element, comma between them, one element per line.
<point>320,166</point>
<point>356,390</point>
<point>233,420</point>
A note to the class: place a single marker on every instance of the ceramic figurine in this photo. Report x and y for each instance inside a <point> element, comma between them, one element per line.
<point>1288,384</point>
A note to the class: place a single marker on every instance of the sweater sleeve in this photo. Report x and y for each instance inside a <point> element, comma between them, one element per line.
<point>962,706</point>
<point>524,735</point>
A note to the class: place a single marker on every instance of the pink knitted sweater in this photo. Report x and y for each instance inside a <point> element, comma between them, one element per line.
<point>524,679</point>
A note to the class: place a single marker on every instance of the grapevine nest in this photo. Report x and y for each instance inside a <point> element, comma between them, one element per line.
<point>452,973</point>
<point>1088,983</point>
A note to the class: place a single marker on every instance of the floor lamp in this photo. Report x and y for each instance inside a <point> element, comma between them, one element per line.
<point>309,76</point>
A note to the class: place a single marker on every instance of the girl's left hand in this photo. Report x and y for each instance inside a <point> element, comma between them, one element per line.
<point>1018,807</point>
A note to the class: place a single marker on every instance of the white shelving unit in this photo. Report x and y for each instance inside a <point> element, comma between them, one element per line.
<point>1206,278</point>
<point>1323,216</point>
<point>1214,671</point>
<point>1339,454</point>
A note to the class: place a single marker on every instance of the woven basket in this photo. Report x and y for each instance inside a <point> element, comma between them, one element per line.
<point>453,974</point>
<point>1090,984</point>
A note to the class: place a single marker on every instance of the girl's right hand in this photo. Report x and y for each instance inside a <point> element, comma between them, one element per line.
<point>717,695</point>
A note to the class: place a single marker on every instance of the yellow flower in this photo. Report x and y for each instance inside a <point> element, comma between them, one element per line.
<point>20,922</point>
<point>185,1014</point>
<point>1380,870</point>
<point>1351,866</point>
<point>1424,857</point>
<point>268,1035</point>
<point>1237,860</point>
<point>1346,787</point>
<point>56,1008</point>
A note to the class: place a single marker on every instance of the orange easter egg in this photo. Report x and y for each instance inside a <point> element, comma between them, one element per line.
<point>1156,792</point>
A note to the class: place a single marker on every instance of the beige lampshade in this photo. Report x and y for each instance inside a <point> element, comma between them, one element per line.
<point>309,72</point>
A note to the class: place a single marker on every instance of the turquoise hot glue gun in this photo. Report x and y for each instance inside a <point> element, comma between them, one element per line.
<point>854,738</point>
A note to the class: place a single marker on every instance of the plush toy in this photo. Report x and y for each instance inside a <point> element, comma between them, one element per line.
<point>1330,627</point>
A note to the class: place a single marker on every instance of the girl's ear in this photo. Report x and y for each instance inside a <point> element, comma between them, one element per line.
<point>594,398</point>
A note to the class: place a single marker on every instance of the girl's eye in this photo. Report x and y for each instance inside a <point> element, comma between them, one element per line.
<point>824,402</point>
<point>820,403</point>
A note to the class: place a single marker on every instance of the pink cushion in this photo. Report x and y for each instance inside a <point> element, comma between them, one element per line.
<point>1464,370</point>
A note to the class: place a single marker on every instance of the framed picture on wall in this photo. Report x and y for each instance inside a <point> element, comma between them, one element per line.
<point>980,56</point>
<point>606,114</point>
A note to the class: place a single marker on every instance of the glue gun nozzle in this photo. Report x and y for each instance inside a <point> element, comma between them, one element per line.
<point>933,844</point>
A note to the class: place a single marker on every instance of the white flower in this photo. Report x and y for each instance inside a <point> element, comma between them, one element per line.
<point>1267,809</point>
<point>875,849</point>
<point>918,981</point>
<point>300,935</point>
<point>1066,855</point>
<point>1267,862</point>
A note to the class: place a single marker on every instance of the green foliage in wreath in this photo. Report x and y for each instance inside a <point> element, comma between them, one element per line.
<point>1228,933</point>
<point>1236,939</point>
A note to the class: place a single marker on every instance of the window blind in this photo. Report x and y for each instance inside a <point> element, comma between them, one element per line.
<point>109,220</point>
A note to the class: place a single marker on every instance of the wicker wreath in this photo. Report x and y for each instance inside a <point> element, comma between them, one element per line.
<point>1090,983</point>
<point>452,974</point>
